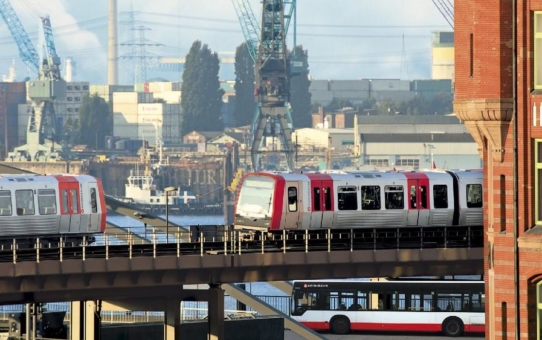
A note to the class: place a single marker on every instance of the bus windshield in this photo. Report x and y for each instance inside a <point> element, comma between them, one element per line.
<point>256,196</point>
<point>394,305</point>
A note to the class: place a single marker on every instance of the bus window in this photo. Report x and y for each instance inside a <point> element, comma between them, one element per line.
<point>292,199</point>
<point>347,198</point>
<point>5,203</point>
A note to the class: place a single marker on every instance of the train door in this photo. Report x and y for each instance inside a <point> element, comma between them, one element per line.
<point>293,205</point>
<point>327,203</point>
<point>316,210</point>
<point>74,207</point>
<point>418,206</point>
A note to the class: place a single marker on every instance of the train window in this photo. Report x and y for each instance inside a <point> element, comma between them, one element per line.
<point>65,207</point>
<point>292,199</point>
<point>440,196</point>
<point>93,200</point>
<point>327,198</point>
<point>316,205</point>
<point>413,197</point>
<point>25,202</point>
<point>474,196</point>
<point>5,203</point>
<point>394,195</point>
<point>47,201</point>
<point>347,198</point>
<point>423,196</point>
<point>370,197</point>
<point>74,198</point>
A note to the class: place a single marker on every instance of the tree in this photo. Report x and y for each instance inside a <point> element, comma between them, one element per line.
<point>300,97</point>
<point>95,121</point>
<point>201,93</point>
<point>245,103</point>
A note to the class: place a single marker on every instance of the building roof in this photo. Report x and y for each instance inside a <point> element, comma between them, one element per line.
<point>417,138</point>
<point>407,119</point>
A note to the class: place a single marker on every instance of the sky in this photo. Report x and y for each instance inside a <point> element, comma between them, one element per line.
<point>345,39</point>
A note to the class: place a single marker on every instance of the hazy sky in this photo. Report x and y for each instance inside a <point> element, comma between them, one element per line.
<point>345,39</point>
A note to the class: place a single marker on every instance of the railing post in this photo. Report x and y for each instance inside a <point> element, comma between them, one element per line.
<point>306,240</point>
<point>14,248</point>
<point>262,243</point>
<point>351,240</point>
<point>239,238</point>
<point>106,247</point>
<point>374,239</point>
<point>225,253</point>
<point>61,245</point>
<point>129,245</point>
<point>84,248</point>
<point>284,240</point>
<point>201,243</point>
<point>38,250</point>
<point>445,237</point>
<point>468,236</point>
<point>398,238</point>
<point>153,243</point>
<point>328,240</point>
<point>178,243</point>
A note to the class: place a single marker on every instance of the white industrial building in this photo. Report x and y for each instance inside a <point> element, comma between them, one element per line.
<point>415,142</point>
<point>137,116</point>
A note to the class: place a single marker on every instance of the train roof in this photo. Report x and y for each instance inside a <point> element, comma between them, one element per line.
<point>370,174</point>
<point>5,178</point>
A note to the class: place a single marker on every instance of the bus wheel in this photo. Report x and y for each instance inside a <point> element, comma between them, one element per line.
<point>340,325</point>
<point>452,327</point>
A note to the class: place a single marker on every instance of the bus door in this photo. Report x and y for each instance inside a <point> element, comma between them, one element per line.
<point>74,207</point>
<point>294,209</point>
<point>418,206</point>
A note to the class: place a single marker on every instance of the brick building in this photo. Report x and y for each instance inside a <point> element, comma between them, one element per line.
<point>498,77</point>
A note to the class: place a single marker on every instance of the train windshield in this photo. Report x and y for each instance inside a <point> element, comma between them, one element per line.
<point>256,196</point>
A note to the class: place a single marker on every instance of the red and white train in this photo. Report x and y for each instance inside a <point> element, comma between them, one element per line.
<point>51,206</point>
<point>359,199</point>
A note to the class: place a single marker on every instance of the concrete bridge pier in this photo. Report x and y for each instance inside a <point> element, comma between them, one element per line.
<point>85,320</point>
<point>172,319</point>
<point>216,312</point>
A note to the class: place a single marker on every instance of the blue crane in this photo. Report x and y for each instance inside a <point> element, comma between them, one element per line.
<point>27,52</point>
<point>272,70</point>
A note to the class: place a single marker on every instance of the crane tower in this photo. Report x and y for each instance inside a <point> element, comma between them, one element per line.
<point>272,85</point>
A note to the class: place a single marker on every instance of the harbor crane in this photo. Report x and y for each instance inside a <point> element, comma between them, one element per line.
<point>41,133</point>
<point>272,69</point>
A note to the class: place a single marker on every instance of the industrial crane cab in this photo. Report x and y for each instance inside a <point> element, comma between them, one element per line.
<point>274,6</point>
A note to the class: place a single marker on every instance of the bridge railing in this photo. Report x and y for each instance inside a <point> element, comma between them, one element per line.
<point>229,241</point>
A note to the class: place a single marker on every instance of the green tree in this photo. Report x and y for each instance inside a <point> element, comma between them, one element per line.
<point>245,103</point>
<point>95,121</point>
<point>201,93</point>
<point>440,104</point>
<point>337,104</point>
<point>300,97</point>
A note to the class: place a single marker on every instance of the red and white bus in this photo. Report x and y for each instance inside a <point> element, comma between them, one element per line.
<point>448,306</point>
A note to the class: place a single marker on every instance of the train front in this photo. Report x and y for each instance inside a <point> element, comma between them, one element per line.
<point>256,202</point>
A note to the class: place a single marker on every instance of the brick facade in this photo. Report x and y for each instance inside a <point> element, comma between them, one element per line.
<point>484,99</point>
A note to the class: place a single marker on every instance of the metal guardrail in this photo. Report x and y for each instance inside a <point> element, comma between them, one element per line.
<point>233,242</point>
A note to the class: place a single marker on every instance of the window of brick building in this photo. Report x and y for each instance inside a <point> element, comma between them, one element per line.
<point>538,182</point>
<point>537,50</point>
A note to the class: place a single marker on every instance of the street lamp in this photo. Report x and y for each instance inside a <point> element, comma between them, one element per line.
<point>168,190</point>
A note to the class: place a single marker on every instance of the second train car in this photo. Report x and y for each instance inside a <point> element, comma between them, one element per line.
<point>344,200</point>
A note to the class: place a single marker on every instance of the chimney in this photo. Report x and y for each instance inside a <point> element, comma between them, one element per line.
<point>112,62</point>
